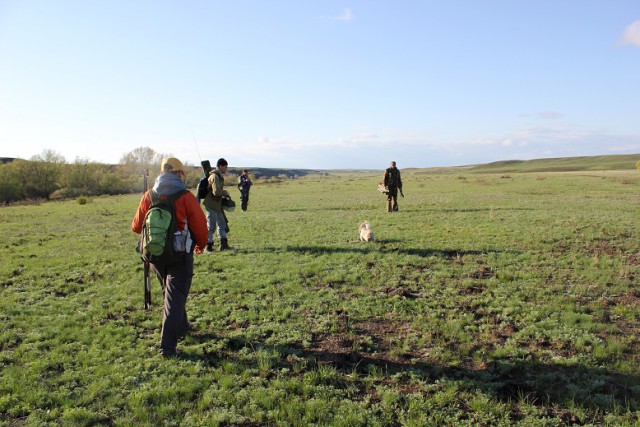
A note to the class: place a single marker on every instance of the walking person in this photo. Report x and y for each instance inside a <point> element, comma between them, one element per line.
<point>393,183</point>
<point>216,220</point>
<point>244,184</point>
<point>175,276</point>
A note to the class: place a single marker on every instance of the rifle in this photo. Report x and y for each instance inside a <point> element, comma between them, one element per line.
<point>147,279</point>
<point>206,167</point>
<point>401,193</point>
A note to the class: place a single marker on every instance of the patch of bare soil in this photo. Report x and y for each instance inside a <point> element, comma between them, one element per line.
<point>407,293</point>
<point>484,272</point>
<point>604,247</point>
<point>365,342</point>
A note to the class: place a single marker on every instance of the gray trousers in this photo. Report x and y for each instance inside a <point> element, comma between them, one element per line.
<point>176,283</point>
<point>215,221</point>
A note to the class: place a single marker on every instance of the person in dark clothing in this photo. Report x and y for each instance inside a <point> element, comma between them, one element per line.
<point>176,278</point>
<point>393,183</point>
<point>244,184</point>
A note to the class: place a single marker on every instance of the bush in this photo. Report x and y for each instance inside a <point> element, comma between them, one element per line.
<point>82,200</point>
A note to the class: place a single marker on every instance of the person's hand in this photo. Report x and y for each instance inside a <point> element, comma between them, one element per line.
<point>197,250</point>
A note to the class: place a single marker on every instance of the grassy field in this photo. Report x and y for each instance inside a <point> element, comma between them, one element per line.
<point>489,299</point>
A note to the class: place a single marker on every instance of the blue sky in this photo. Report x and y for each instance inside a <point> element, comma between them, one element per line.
<point>320,84</point>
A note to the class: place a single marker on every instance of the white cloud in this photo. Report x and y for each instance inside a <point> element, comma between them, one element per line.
<point>552,115</point>
<point>510,142</point>
<point>507,142</point>
<point>345,16</point>
<point>632,34</point>
<point>628,148</point>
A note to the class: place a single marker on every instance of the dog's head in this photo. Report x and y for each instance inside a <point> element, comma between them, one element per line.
<point>364,226</point>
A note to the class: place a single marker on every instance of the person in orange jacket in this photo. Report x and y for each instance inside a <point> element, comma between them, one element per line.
<point>175,279</point>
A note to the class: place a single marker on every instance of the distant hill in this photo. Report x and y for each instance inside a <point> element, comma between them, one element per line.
<point>269,173</point>
<point>561,164</point>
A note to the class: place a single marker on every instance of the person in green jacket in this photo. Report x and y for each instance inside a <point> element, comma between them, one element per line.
<point>216,219</point>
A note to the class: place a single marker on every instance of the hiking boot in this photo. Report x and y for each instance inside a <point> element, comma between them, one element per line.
<point>224,244</point>
<point>209,247</point>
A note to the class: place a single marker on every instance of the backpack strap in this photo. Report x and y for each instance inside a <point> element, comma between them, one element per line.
<point>155,197</point>
<point>175,196</point>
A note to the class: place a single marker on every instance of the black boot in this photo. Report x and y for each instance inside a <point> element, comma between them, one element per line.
<point>224,244</point>
<point>209,247</point>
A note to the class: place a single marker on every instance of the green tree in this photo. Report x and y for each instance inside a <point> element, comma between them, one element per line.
<point>45,173</point>
<point>80,178</point>
<point>9,183</point>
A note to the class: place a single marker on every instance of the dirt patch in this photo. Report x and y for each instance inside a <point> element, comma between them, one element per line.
<point>604,247</point>
<point>366,342</point>
<point>484,272</point>
<point>407,293</point>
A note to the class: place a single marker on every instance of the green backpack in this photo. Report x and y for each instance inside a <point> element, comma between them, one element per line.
<point>159,230</point>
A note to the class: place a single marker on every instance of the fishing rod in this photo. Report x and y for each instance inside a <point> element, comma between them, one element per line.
<point>195,142</point>
<point>206,165</point>
<point>147,279</point>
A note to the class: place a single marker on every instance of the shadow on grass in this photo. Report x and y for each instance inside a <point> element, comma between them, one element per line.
<point>381,246</point>
<point>489,209</point>
<point>509,381</point>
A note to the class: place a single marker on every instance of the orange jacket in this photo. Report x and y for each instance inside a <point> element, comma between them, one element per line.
<point>187,210</point>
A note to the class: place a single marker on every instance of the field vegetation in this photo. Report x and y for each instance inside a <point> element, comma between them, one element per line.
<point>489,299</point>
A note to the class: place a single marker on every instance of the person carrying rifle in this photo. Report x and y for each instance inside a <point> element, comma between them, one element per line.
<point>176,276</point>
<point>393,183</point>
<point>216,218</point>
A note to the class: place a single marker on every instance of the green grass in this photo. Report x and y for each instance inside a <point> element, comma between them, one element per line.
<point>487,300</point>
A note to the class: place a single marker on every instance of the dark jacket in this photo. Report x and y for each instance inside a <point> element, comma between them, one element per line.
<point>392,178</point>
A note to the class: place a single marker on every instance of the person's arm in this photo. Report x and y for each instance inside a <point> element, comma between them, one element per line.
<point>138,219</point>
<point>217,187</point>
<point>197,222</point>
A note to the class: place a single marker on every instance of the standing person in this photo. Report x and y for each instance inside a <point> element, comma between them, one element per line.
<point>176,277</point>
<point>213,205</point>
<point>244,184</point>
<point>393,182</point>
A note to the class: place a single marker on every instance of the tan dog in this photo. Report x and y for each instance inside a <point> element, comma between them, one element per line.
<point>366,233</point>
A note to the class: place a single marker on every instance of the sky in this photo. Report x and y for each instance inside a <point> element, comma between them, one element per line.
<point>320,84</point>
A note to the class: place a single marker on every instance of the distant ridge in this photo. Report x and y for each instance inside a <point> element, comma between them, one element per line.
<point>277,172</point>
<point>561,164</point>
